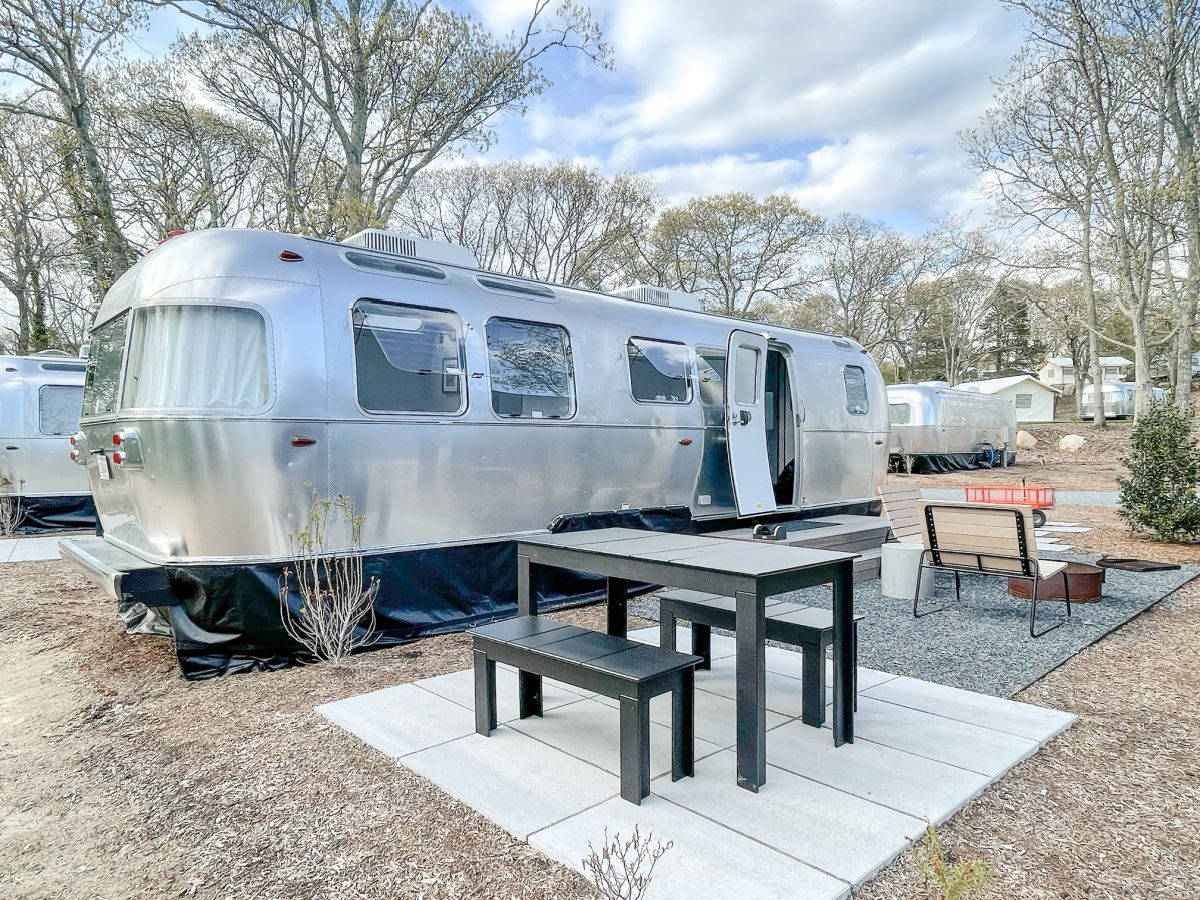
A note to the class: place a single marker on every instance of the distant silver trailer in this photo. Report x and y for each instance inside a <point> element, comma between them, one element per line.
<point>1120,399</point>
<point>40,399</point>
<point>935,428</point>
<point>458,408</point>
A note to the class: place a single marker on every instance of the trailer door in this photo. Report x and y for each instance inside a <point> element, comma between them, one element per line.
<point>746,421</point>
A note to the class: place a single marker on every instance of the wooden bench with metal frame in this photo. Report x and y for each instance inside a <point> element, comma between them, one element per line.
<point>627,671</point>
<point>985,540</point>
<point>900,509</point>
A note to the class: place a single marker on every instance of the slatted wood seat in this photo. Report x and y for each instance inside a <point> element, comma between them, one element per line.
<point>627,671</point>
<point>985,540</point>
<point>900,507</point>
<point>806,627</point>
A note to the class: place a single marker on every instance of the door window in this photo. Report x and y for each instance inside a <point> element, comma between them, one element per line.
<point>746,383</point>
<point>408,358</point>
<point>530,366</point>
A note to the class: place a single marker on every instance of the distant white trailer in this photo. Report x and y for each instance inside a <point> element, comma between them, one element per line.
<point>935,428</point>
<point>1120,399</point>
<point>40,399</point>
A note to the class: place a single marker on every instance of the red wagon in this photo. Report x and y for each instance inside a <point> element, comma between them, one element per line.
<point>1037,496</point>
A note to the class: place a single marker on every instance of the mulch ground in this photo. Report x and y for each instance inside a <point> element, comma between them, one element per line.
<point>120,780</point>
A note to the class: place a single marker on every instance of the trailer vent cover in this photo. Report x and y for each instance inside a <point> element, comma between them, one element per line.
<point>657,296</point>
<point>383,241</point>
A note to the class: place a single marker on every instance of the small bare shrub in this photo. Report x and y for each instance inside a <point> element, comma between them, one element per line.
<point>11,513</point>
<point>622,869</point>
<point>952,881</point>
<point>337,605</point>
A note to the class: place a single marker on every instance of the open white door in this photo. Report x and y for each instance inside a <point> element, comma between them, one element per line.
<point>746,423</point>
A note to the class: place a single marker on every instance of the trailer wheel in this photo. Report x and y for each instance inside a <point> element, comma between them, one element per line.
<point>1039,518</point>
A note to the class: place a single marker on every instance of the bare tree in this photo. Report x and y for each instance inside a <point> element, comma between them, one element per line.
<point>734,250</point>
<point>55,48</point>
<point>398,83</point>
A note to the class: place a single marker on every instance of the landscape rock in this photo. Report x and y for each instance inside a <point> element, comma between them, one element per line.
<point>1071,443</point>
<point>1025,440</point>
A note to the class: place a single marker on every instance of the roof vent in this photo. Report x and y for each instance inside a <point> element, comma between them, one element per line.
<point>656,296</point>
<point>383,241</point>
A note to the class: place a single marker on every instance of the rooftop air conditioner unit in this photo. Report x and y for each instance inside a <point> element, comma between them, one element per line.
<point>645,293</point>
<point>383,241</point>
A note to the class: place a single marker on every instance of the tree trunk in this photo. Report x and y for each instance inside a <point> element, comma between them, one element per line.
<point>1093,320</point>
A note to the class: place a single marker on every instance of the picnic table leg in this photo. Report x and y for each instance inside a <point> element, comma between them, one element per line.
<point>618,602</point>
<point>529,685</point>
<point>843,653</point>
<point>751,634</point>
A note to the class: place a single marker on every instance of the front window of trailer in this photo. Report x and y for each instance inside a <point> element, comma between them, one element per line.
<point>102,383</point>
<point>197,356</point>
<point>408,358</point>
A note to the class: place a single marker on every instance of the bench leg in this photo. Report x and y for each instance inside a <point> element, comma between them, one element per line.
<point>702,644</point>
<point>683,727</point>
<point>635,749</point>
<point>666,628</point>
<point>485,693</point>
<point>812,685</point>
<point>854,682</point>
<point>531,694</point>
<point>618,602</point>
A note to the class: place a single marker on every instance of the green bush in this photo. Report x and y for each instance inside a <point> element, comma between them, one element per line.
<point>1158,499</point>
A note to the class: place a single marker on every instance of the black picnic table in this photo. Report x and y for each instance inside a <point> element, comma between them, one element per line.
<point>744,570</point>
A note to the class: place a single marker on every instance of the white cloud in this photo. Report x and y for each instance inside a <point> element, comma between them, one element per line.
<point>847,104</point>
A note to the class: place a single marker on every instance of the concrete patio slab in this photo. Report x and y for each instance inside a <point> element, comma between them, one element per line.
<point>401,720</point>
<point>706,859</point>
<point>722,644</point>
<point>841,835</point>
<point>585,730</point>
<point>1023,720</point>
<point>28,549</point>
<point>928,790</point>
<point>984,750</point>
<point>826,820</point>
<point>519,783</point>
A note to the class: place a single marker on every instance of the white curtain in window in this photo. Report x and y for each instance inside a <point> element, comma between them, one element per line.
<point>196,357</point>
<point>58,408</point>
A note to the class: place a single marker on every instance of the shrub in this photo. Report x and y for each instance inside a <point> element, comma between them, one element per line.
<point>11,513</point>
<point>622,870</point>
<point>952,881</point>
<point>1158,499</point>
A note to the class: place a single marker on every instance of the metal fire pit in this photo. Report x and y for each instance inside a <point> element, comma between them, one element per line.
<point>1086,582</point>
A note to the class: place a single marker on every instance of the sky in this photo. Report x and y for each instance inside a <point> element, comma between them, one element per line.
<point>847,105</point>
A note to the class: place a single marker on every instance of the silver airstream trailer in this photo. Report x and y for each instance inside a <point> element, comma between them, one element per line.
<point>937,429</point>
<point>40,397</point>
<point>1120,399</point>
<point>232,369</point>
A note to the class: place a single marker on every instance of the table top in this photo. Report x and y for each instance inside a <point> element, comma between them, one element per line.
<point>692,551</point>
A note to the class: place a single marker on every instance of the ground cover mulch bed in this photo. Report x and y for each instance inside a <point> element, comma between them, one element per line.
<point>983,644</point>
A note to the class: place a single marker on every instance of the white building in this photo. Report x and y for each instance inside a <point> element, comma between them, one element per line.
<point>1032,399</point>
<point>1059,371</point>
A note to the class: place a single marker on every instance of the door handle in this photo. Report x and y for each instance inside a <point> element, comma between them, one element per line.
<point>744,417</point>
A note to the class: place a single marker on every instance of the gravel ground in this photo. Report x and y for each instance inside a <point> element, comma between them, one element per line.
<point>983,644</point>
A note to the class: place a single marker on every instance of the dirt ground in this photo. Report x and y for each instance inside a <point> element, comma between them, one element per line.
<point>120,780</point>
<point>1096,467</point>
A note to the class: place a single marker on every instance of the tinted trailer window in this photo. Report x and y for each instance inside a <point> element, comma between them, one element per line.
<point>408,358</point>
<point>103,380</point>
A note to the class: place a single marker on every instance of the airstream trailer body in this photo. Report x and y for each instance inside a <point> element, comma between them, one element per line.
<point>40,398</point>
<point>1120,399</point>
<point>935,428</point>
<point>232,372</point>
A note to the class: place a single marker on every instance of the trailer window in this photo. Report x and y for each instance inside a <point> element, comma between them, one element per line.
<point>711,370</point>
<point>197,356</point>
<point>900,413</point>
<point>855,379</point>
<point>101,384</point>
<point>530,367</point>
<point>408,358</point>
<point>659,371</point>
<point>58,408</point>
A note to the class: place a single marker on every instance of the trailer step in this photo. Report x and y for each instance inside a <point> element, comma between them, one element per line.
<point>108,566</point>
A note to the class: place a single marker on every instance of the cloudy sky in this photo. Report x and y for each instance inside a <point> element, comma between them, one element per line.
<point>846,104</point>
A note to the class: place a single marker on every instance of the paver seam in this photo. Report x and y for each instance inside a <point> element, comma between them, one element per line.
<point>1072,721</point>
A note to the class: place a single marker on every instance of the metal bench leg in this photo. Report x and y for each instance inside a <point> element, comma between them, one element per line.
<point>485,693</point>
<point>683,726</point>
<point>635,749</point>
<point>531,694</point>
<point>917,591</point>
<point>812,684</point>
<point>854,682</point>
<point>702,644</point>
<point>666,628</point>
<point>1033,602</point>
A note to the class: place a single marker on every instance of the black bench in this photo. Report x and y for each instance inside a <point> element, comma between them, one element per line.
<point>808,627</point>
<point>624,670</point>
